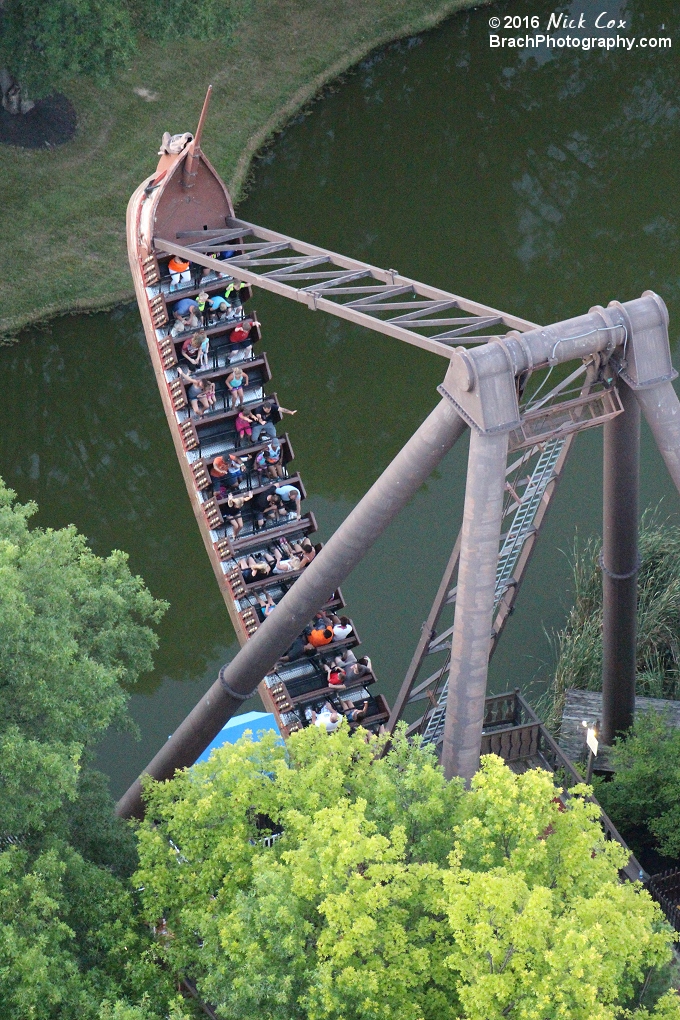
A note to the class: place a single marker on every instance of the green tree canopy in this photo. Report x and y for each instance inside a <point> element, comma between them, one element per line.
<point>46,45</point>
<point>645,789</point>
<point>391,893</point>
<point>74,634</point>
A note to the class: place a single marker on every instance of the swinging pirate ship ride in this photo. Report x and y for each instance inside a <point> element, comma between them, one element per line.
<point>518,449</point>
<point>186,200</point>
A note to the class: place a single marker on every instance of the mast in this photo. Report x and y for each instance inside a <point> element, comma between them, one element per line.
<point>191,162</point>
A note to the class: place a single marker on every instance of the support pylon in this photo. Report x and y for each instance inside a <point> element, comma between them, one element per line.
<point>482,517</point>
<point>620,564</point>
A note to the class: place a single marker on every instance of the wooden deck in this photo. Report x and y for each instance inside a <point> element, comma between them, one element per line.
<point>587,705</point>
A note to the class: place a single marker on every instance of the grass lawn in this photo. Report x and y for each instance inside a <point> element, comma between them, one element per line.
<point>64,210</point>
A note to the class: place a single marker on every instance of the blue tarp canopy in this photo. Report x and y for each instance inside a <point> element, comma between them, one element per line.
<point>237,726</point>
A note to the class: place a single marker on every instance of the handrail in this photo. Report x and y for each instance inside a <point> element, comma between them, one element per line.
<point>662,895</point>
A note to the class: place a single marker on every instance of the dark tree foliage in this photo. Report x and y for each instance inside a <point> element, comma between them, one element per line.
<point>193,19</point>
<point>45,45</point>
<point>645,790</point>
<point>74,629</point>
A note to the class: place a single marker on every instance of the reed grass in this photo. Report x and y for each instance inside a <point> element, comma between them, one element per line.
<point>578,646</point>
<point>64,209</point>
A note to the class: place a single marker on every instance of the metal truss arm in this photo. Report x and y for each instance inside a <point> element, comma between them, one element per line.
<point>347,288</point>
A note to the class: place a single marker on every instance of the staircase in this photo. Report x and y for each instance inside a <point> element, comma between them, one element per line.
<point>512,542</point>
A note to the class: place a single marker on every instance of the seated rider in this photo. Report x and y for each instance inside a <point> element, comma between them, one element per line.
<point>219,308</point>
<point>240,341</point>
<point>243,424</point>
<point>266,603</point>
<point>232,512</point>
<point>203,302</point>
<point>236,471</point>
<point>352,714</point>
<point>327,718</point>
<point>251,568</point>
<point>265,505</point>
<point>185,313</point>
<point>219,472</point>
<point>273,457</point>
<point>197,393</point>
<point>266,417</point>
<point>235,384</point>
<point>342,628</point>
<point>191,348</point>
<point>227,472</point>
<point>334,676</point>
<point>285,566</point>
<point>348,658</point>
<point>233,297</point>
<point>180,272</point>
<point>290,494</point>
<point>318,638</point>
<point>358,670</point>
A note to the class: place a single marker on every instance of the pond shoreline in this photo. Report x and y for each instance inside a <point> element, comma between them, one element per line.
<point>117,292</point>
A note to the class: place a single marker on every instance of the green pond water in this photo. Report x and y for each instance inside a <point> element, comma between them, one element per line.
<point>540,185</point>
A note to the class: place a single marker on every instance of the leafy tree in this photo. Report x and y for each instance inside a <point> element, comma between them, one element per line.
<point>195,19</point>
<point>45,45</point>
<point>69,938</point>
<point>391,893</point>
<point>579,644</point>
<point>645,790</point>
<point>74,633</point>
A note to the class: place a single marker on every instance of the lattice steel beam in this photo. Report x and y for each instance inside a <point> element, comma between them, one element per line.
<point>344,287</point>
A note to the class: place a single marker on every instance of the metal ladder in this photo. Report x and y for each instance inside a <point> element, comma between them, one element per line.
<point>520,529</point>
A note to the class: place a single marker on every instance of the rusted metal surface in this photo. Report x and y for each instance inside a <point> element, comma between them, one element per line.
<point>190,167</point>
<point>620,564</point>
<point>482,387</point>
<point>516,548</point>
<point>158,197</point>
<point>661,408</point>
<point>426,636</point>
<point>141,209</point>
<point>513,743</point>
<point>553,421</point>
<point>482,516</point>
<point>527,514</point>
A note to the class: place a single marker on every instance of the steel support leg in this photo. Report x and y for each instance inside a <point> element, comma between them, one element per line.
<point>474,604</point>
<point>347,547</point>
<point>620,565</point>
<point>425,638</point>
<point>661,408</point>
